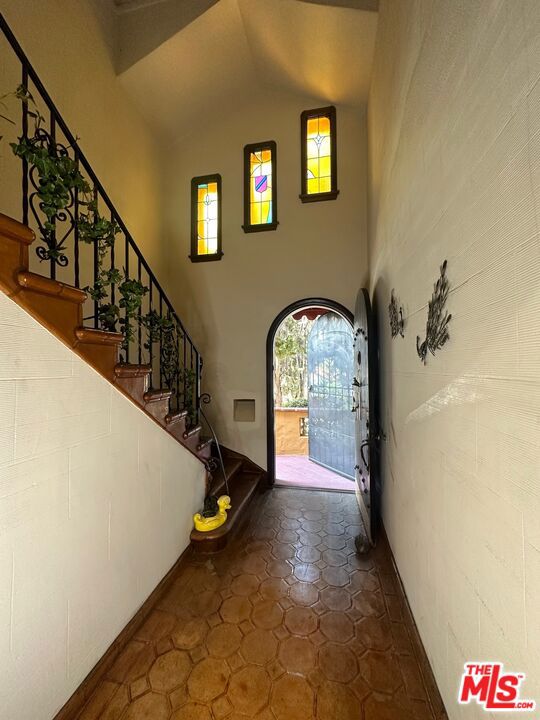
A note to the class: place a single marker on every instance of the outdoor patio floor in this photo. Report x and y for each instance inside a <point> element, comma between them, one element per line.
<point>300,471</point>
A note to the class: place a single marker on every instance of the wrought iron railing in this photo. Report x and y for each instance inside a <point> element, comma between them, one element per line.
<point>83,241</point>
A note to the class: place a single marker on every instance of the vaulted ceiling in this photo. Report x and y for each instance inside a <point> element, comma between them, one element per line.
<point>183,59</point>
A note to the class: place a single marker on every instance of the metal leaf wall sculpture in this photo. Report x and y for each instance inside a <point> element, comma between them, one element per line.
<point>438,318</point>
<point>397,321</point>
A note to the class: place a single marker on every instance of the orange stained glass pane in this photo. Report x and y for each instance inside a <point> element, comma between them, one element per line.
<point>324,125</point>
<point>312,127</point>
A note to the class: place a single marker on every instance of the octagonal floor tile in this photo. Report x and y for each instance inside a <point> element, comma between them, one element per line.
<point>170,670</point>
<point>148,707</point>
<point>268,614</point>
<point>245,584</point>
<point>338,663</point>
<point>301,620</point>
<point>189,633</point>
<point>335,700</point>
<point>236,609</point>
<point>259,647</point>
<point>208,679</point>
<point>337,627</point>
<point>297,655</point>
<point>223,640</point>
<point>249,690</point>
<point>192,711</point>
<point>292,698</point>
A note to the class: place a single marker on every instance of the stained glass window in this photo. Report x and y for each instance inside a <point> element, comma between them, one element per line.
<point>319,166</point>
<point>206,218</point>
<point>260,197</point>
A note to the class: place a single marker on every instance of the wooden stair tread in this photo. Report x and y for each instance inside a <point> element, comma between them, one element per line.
<point>126,370</point>
<point>90,336</point>
<point>44,285</point>
<point>157,395</point>
<point>242,491</point>
<point>193,431</point>
<point>232,467</point>
<point>175,417</point>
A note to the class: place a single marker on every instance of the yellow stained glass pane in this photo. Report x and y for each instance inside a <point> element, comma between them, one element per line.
<point>201,247</point>
<point>312,186</point>
<point>313,168</point>
<point>266,156</point>
<point>325,184</point>
<point>324,167</point>
<point>255,214</point>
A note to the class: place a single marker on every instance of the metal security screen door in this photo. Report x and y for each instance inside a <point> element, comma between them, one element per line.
<point>330,373</point>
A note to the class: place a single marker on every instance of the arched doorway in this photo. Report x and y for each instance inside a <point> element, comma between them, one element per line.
<point>328,402</point>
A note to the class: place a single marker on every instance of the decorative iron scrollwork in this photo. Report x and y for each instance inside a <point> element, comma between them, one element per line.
<point>397,321</point>
<point>438,318</point>
<point>47,219</point>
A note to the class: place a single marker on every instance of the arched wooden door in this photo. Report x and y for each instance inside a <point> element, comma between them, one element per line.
<point>365,385</point>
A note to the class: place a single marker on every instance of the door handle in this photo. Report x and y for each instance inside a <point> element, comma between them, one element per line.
<point>367,443</point>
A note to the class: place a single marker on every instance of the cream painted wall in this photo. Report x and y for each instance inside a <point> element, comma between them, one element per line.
<point>96,503</point>
<point>454,144</point>
<point>319,249</point>
<point>72,54</point>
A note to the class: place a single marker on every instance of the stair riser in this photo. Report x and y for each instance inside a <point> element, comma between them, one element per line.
<point>206,452</point>
<point>135,387</point>
<point>177,430</point>
<point>158,409</point>
<point>55,313</point>
<point>192,441</point>
<point>102,357</point>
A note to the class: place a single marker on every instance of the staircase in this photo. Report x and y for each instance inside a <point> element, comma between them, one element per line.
<point>121,321</point>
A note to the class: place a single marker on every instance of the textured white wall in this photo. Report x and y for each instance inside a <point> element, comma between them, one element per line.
<point>454,145</point>
<point>318,250</point>
<point>95,507</point>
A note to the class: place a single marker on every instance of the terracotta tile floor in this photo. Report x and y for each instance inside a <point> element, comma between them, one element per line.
<point>287,623</point>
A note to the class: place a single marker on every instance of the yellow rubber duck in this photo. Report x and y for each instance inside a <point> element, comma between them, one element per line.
<point>204,524</point>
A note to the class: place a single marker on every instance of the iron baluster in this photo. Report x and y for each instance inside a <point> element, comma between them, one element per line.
<point>113,285</point>
<point>76,233</point>
<point>25,137</point>
<point>52,233</point>
<point>126,314</point>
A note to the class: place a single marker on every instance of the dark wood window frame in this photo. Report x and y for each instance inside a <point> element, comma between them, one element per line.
<point>330,113</point>
<point>248,149</point>
<point>195,182</point>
